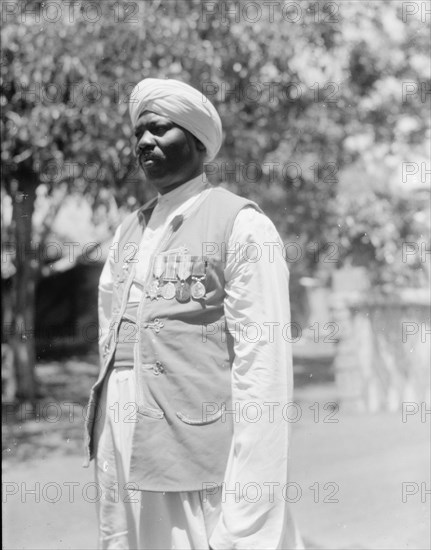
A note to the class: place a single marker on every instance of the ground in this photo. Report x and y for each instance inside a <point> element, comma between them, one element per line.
<point>346,485</point>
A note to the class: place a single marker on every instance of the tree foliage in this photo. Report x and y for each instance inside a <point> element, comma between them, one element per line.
<point>304,95</point>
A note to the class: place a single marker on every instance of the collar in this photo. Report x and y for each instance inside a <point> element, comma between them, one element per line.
<point>182,193</point>
<point>174,197</point>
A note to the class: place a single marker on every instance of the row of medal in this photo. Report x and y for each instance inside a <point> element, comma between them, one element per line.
<point>170,278</point>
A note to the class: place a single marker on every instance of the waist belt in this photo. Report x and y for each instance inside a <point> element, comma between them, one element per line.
<point>127,336</point>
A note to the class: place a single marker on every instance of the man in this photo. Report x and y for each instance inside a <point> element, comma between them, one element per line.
<point>185,419</point>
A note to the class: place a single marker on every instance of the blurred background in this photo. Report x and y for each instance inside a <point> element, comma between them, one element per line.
<point>326,117</point>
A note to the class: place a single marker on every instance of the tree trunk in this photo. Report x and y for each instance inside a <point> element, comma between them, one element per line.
<point>24,285</point>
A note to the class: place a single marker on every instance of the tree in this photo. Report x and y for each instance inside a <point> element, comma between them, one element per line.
<point>55,133</point>
<point>302,93</point>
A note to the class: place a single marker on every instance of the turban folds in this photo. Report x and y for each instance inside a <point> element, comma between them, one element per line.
<point>182,104</point>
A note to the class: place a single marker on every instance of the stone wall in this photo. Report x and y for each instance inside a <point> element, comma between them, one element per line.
<point>383,355</point>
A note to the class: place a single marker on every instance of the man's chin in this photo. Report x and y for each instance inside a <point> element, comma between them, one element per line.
<point>158,179</point>
<point>152,170</point>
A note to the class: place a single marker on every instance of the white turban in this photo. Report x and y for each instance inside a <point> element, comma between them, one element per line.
<point>182,104</point>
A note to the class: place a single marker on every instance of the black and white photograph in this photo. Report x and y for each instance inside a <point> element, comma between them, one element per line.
<point>215,266</point>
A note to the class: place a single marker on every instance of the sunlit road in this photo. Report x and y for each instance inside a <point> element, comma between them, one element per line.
<point>347,480</point>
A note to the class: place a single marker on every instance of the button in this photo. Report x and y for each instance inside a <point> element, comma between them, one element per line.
<point>119,281</point>
<point>158,325</point>
<point>155,325</point>
<point>158,368</point>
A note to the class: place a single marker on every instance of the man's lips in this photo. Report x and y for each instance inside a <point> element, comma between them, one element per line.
<point>148,158</point>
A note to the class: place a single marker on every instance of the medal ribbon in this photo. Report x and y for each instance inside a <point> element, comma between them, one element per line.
<point>198,271</point>
<point>185,267</point>
<point>170,271</point>
<point>159,266</point>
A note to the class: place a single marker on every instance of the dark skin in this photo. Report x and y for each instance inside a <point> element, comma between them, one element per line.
<point>168,154</point>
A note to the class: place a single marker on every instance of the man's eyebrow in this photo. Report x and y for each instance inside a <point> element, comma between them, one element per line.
<point>152,122</point>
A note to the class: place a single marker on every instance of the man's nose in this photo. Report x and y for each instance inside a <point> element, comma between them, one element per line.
<point>146,141</point>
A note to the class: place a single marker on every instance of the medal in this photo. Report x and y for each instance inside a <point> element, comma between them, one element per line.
<point>184,271</point>
<point>198,289</point>
<point>168,290</point>
<point>153,290</point>
<point>182,292</point>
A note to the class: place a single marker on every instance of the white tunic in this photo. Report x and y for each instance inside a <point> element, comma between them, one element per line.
<point>250,512</point>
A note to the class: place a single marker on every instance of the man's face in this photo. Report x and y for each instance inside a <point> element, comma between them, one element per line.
<point>168,154</point>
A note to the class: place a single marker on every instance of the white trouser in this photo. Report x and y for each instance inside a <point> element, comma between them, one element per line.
<point>132,519</point>
<point>141,519</point>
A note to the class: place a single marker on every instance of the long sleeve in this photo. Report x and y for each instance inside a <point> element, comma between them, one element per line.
<point>106,283</point>
<point>254,514</point>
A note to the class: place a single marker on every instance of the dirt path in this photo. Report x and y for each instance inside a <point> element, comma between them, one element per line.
<point>361,461</point>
